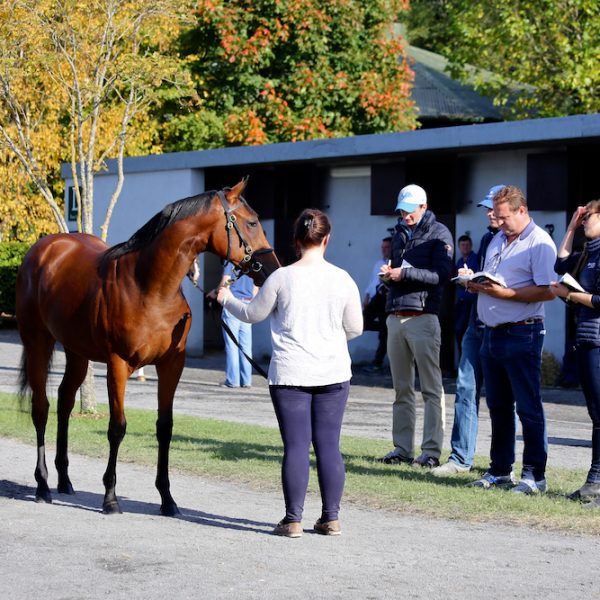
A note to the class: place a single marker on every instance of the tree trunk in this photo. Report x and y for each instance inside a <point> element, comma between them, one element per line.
<point>88,391</point>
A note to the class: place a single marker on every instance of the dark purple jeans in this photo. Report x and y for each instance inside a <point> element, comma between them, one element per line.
<point>305,415</point>
<point>588,359</point>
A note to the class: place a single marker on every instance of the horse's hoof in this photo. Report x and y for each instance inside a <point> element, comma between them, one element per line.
<point>111,508</point>
<point>43,498</point>
<point>169,510</point>
<point>65,488</point>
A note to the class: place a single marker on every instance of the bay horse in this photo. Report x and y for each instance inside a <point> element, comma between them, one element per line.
<point>124,306</point>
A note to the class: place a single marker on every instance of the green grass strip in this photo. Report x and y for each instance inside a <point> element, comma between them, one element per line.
<point>251,455</point>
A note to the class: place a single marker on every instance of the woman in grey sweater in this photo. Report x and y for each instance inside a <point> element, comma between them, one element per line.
<point>315,309</point>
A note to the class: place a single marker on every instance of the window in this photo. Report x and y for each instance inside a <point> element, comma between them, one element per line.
<point>71,204</point>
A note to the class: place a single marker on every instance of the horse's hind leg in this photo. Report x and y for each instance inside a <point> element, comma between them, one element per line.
<point>37,360</point>
<point>168,373</point>
<point>75,372</point>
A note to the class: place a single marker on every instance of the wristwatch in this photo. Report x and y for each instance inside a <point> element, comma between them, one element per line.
<point>568,298</point>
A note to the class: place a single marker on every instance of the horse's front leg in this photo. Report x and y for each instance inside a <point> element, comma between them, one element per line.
<point>168,372</point>
<point>117,373</point>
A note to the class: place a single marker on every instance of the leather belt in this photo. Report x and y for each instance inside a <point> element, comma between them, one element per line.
<point>531,321</point>
<point>407,313</point>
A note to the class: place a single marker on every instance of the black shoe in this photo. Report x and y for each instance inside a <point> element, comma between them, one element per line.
<point>586,493</point>
<point>426,461</point>
<point>393,458</point>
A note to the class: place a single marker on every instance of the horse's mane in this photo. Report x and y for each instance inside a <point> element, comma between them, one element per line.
<point>176,211</point>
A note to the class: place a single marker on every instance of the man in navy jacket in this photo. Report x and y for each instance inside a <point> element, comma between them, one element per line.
<point>421,265</point>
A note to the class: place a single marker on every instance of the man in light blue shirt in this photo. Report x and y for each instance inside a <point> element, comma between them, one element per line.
<point>522,255</point>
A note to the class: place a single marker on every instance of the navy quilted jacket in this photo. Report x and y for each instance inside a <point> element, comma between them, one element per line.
<point>428,248</point>
<point>588,319</point>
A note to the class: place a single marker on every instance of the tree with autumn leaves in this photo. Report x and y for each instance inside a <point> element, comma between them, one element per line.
<point>83,82</point>
<point>269,71</point>
<point>77,80</point>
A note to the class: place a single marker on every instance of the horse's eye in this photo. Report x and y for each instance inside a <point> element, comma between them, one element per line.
<point>252,223</point>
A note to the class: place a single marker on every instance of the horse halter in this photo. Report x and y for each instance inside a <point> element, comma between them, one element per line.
<point>249,263</point>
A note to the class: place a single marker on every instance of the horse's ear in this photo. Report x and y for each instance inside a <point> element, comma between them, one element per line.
<point>238,188</point>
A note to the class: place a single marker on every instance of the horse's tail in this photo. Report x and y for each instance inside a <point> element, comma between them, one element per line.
<point>23,379</point>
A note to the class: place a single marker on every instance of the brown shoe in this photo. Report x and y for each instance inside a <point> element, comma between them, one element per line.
<point>328,527</point>
<point>291,530</point>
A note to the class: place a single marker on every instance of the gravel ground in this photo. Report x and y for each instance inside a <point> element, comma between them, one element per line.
<point>221,547</point>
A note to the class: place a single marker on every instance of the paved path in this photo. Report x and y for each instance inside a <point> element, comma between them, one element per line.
<point>221,547</point>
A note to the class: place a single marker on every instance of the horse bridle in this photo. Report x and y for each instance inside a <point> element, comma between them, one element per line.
<point>249,263</point>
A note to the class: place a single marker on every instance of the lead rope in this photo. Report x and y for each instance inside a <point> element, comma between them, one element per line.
<point>228,331</point>
<point>256,366</point>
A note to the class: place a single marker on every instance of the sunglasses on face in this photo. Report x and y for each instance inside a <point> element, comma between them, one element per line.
<point>587,216</point>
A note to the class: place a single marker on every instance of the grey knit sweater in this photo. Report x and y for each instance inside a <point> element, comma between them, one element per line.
<point>315,309</point>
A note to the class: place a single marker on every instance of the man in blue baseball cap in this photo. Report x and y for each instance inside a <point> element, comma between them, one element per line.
<point>411,197</point>
<point>421,265</point>
<point>488,201</point>
<point>470,375</point>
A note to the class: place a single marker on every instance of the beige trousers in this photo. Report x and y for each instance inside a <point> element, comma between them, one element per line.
<point>416,340</point>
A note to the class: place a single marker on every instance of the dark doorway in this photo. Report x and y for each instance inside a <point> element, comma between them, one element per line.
<point>278,193</point>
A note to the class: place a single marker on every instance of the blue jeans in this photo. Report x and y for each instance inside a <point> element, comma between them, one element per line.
<point>511,358</point>
<point>588,361</point>
<point>466,403</point>
<point>238,371</point>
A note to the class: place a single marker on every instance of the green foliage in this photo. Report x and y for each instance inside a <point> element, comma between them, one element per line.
<point>200,130</point>
<point>550,368</point>
<point>429,24</point>
<point>534,58</point>
<point>269,71</point>
<point>11,255</point>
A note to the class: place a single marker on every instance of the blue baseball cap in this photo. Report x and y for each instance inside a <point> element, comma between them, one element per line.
<point>410,198</point>
<point>488,201</point>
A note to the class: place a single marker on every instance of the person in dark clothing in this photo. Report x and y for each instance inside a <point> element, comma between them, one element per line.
<point>470,374</point>
<point>585,267</point>
<point>422,251</point>
<point>464,299</point>
<point>374,307</point>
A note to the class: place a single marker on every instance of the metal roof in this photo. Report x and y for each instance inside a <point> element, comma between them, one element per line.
<point>440,98</point>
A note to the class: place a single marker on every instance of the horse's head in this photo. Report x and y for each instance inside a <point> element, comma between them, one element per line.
<point>245,243</point>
